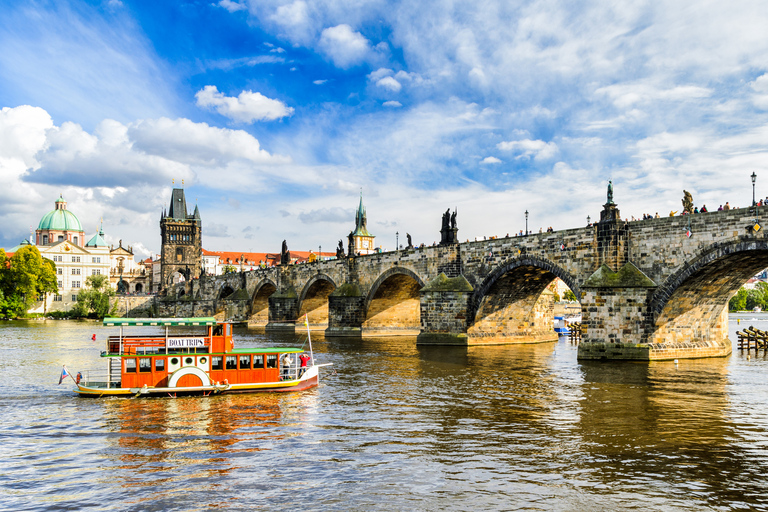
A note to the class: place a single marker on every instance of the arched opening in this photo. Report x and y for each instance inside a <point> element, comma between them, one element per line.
<point>226,291</point>
<point>516,303</point>
<point>260,304</point>
<point>314,303</point>
<point>176,277</point>
<point>179,254</point>
<point>691,307</point>
<point>139,288</point>
<point>394,306</point>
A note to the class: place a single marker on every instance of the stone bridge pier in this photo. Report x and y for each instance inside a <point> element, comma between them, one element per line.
<point>648,290</point>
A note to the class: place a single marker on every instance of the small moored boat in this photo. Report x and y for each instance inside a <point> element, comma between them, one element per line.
<point>563,324</point>
<point>202,363</point>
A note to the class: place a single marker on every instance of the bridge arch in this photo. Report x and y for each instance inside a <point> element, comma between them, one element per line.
<point>690,306</point>
<point>392,305</point>
<point>313,300</point>
<point>258,313</point>
<point>225,291</point>
<point>510,304</point>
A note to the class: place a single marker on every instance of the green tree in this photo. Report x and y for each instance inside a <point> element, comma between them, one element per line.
<point>94,300</point>
<point>23,278</point>
<point>569,296</point>
<point>739,301</point>
<point>228,269</point>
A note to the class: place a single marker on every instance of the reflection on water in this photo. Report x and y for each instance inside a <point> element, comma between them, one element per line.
<point>397,427</point>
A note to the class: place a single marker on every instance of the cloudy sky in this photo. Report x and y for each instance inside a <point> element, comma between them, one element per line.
<point>276,113</point>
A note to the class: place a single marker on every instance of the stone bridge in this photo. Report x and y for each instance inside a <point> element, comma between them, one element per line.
<point>652,289</point>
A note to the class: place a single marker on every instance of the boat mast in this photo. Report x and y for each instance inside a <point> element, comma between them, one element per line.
<point>311,355</point>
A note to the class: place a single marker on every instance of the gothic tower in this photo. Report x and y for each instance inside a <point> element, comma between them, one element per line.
<point>182,241</point>
<point>361,238</point>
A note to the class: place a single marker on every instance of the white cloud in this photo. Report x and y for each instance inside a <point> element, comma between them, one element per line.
<point>319,82</point>
<point>389,84</point>
<point>538,149</point>
<point>380,73</point>
<point>247,107</point>
<point>343,46</point>
<point>490,160</point>
<point>392,104</point>
<point>232,6</point>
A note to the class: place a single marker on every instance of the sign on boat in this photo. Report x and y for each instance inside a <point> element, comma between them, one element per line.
<point>201,363</point>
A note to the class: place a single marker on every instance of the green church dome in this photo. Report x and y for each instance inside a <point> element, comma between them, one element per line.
<point>60,219</point>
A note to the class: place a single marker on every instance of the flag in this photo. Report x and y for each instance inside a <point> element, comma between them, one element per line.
<point>64,374</point>
<point>562,247</point>
<point>688,233</point>
<point>306,320</point>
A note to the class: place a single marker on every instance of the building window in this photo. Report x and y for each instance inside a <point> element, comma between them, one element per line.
<point>57,298</point>
<point>75,284</point>
<point>145,364</point>
<point>45,239</point>
<point>75,271</point>
<point>159,365</point>
<point>61,284</point>
<point>231,362</point>
<point>130,365</point>
<point>96,272</point>
<point>41,297</point>
<point>75,259</point>
<point>179,254</point>
<point>217,363</point>
<point>74,298</point>
<point>60,271</point>
<point>61,238</point>
<point>58,258</point>
<point>245,362</point>
<point>74,240</point>
<point>96,259</point>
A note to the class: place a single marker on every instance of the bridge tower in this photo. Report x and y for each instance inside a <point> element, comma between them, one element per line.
<point>181,241</point>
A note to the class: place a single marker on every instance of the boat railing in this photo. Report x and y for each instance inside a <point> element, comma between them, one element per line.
<point>292,372</point>
<point>100,379</point>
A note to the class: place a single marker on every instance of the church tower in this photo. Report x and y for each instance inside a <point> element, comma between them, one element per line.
<point>181,253</point>
<point>362,240</point>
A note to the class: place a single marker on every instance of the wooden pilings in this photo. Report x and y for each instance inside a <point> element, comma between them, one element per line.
<point>752,338</point>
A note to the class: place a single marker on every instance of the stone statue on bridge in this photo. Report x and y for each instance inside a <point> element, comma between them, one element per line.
<point>449,231</point>
<point>610,192</point>
<point>410,242</point>
<point>687,202</point>
<point>285,255</point>
<point>351,244</point>
<point>340,250</point>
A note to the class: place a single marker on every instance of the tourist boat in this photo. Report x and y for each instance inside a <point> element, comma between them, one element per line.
<point>563,324</point>
<point>203,363</point>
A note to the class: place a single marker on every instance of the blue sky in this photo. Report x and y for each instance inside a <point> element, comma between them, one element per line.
<point>276,113</point>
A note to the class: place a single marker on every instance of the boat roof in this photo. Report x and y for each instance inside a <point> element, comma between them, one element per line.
<point>205,320</point>
<point>268,350</point>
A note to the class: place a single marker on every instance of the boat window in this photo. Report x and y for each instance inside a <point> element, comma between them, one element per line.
<point>272,361</point>
<point>217,363</point>
<point>231,362</point>
<point>159,365</point>
<point>203,360</point>
<point>130,365</point>
<point>245,362</point>
<point>258,362</point>
<point>218,330</point>
<point>189,360</point>
<point>174,361</point>
<point>145,364</point>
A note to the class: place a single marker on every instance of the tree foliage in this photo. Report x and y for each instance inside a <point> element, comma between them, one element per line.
<point>229,269</point>
<point>746,300</point>
<point>23,277</point>
<point>94,300</point>
<point>569,296</point>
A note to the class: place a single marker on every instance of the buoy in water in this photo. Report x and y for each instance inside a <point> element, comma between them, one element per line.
<point>93,337</point>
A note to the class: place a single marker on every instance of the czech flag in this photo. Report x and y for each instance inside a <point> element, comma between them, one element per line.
<point>64,374</point>
<point>688,233</point>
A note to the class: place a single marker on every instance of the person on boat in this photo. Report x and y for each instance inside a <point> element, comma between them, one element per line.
<point>304,358</point>
<point>287,362</point>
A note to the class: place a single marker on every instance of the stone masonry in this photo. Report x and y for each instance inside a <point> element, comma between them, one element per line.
<point>653,289</point>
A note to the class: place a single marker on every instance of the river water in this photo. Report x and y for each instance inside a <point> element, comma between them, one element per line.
<point>397,427</point>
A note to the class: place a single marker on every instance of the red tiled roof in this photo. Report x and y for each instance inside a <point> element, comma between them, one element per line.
<point>253,258</point>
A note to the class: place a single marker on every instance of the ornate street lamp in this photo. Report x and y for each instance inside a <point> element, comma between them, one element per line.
<point>754,177</point>
<point>319,252</point>
<point>589,220</point>
<point>526,222</point>
<point>397,240</point>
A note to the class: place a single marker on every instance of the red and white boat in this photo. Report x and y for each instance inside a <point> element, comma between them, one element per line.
<point>201,363</point>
